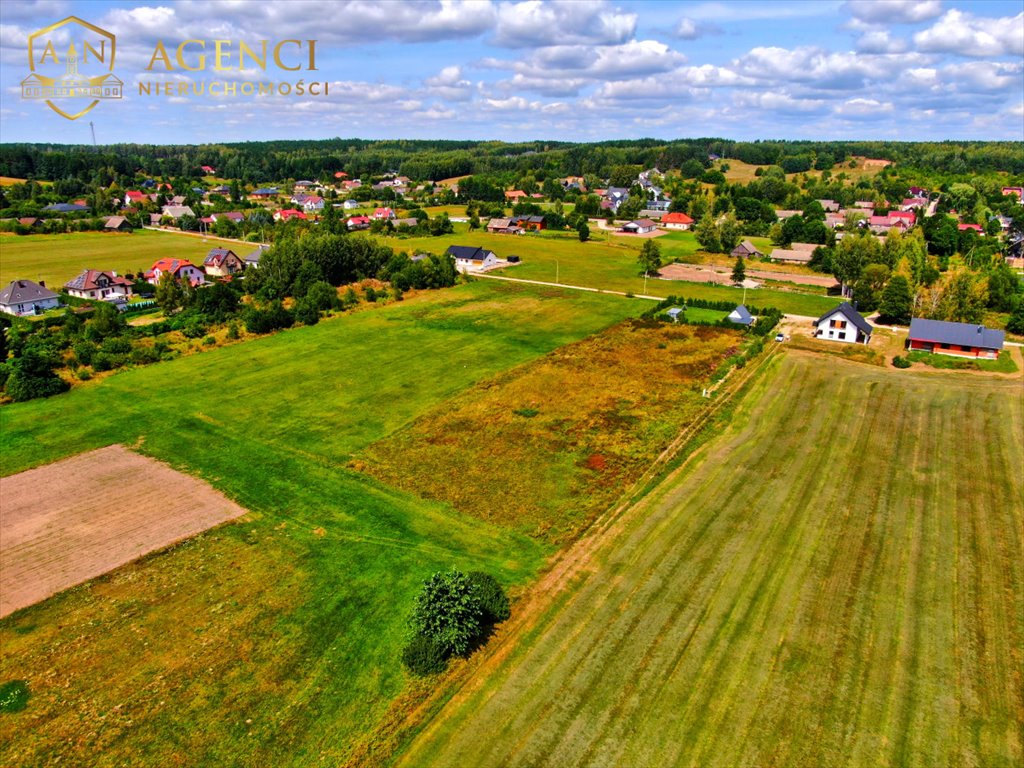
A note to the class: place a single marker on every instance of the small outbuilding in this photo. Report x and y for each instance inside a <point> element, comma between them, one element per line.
<point>741,316</point>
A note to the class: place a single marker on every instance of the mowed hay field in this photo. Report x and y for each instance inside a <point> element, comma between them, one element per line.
<point>837,579</point>
<point>58,258</point>
<point>276,640</point>
<point>546,447</point>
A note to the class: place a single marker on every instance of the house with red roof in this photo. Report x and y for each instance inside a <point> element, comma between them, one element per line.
<point>907,216</point>
<point>975,227</point>
<point>134,197</point>
<point>96,284</point>
<point>676,221</point>
<point>340,175</point>
<point>181,269</point>
<point>208,170</point>
<point>514,194</point>
<point>383,213</point>
<point>1018,191</point>
<point>288,214</point>
<point>359,222</point>
<point>309,203</point>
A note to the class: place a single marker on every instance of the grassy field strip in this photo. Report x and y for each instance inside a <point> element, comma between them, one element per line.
<point>274,641</point>
<point>818,589</point>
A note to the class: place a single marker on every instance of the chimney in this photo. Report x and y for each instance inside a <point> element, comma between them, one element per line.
<point>42,283</point>
<point>981,328</point>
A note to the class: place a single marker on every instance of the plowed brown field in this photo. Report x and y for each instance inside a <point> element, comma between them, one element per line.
<point>73,520</point>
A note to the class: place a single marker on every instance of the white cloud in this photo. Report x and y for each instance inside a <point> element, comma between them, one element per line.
<point>778,102</point>
<point>863,108</point>
<point>823,69</point>
<point>893,11</point>
<point>879,41</point>
<point>687,29</point>
<point>534,23</point>
<point>967,35</point>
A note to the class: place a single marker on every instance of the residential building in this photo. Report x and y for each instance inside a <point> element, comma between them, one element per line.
<point>843,323</point>
<point>26,297</point>
<point>97,284</point>
<point>957,339</point>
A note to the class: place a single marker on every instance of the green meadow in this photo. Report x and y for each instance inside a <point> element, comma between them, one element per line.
<point>58,258</point>
<point>607,262</point>
<point>273,641</point>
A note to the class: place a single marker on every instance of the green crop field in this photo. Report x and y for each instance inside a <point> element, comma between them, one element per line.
<point>608,262</point>
<point>273,641</point>
<point>58,258</point>
<point>838,579</point>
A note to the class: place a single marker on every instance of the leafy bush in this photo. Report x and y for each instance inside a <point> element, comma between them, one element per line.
<point>193,329</point>
<point>493,599</point>
<point>13,696</point>
<point>32,376</point>
<point>900,362</point>
<point>306,312</point>
<point>423,656</point>
<point>266,320</point>
<point>448,610</point>
<point>209,341</point>
<point>104,361</point>
<point>144,355</point>
<point>116,345</point>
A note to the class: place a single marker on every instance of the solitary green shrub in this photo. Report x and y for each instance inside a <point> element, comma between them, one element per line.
<point>492,597</point>
<point>233,331</point>
<point>13,696</point>
<point>423,656</point>
<point>448,610</point>
<point>900,362</point>
<point>209,341</point>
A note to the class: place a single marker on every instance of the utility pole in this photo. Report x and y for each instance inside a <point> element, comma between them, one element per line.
<point>93,129</point>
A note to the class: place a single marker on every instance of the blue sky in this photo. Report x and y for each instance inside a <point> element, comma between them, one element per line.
<point>910,70</point>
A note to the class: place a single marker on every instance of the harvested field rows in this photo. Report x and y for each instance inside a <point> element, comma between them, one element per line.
<point>837,580</point>
<point>76,519</point>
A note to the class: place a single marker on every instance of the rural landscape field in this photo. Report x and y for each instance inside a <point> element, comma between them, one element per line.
<point>531,384</point>
<point>814,587</point>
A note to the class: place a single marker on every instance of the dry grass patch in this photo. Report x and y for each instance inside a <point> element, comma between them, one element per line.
<point>546,447</point>
<point>859,353</point>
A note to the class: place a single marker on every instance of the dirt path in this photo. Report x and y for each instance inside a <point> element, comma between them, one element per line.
<point>709,273</point>
<point>76,519</point>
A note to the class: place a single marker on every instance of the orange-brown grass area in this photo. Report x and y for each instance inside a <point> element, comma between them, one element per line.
<point>546,447</point>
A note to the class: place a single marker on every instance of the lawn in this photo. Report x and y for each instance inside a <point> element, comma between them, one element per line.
<point>608,263</point>
<point>58,258</point>
<point>1002,364</point>
<point>824,585</point>
<point>273,641</point>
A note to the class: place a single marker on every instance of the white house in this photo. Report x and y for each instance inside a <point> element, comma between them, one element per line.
<point>844,323</point>
<point>182,269</point>
<point>639,227</point>
<point>27,297</point>
<point>94,284</point>
<point>741,316</point>
<point>348,205</point>
<point>470,259</point>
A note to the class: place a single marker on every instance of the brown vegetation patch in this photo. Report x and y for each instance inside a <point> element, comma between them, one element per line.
<point>76,519</point>
<point>547,447</point>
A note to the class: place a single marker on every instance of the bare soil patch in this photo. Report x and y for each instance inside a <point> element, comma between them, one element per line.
<point>722,276</point>
<point>73,520</point>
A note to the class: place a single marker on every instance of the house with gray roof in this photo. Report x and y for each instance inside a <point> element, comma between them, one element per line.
<point>957,339</point>
<point>470,259</point>
<point>27,297</point>
<point>843,323</point>
<point>741,316</point>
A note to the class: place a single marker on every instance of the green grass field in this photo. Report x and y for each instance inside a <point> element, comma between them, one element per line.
<point>607,262</point>
<point>58,258</point>
<point>273,641</point>
<point>838,579</point>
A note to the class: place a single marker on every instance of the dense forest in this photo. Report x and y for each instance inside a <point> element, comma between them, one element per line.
<point>256,162</point>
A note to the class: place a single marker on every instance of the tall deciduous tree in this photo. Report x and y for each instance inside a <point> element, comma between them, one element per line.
<point>448,611</point>
<point>897,300</point>
<point>707,234</point>
<point>650,257</point>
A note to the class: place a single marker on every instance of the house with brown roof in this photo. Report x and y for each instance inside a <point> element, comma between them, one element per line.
<point>117,224</point>
<point>503,227</point>
<point>222,262</point>
<point>639,227</point>
<point>746,250</point>
<point>793,255</point>
<point>98,284</point>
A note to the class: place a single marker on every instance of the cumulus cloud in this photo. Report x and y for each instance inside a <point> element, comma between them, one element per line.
<point>961,33</point>
<point>879,41</point>
<point>863,108</point>
<point>535,23</point>
<point>893,11</point>
<point>821,68</point>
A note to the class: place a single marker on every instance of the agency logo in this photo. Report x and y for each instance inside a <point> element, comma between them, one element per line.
<point>71,62</point>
